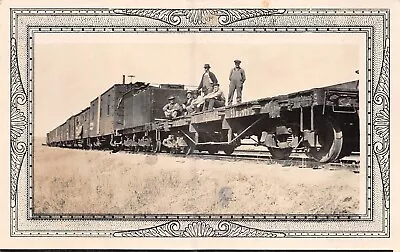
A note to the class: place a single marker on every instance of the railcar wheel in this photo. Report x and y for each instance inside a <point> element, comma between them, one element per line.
<point>212,150</point>
<point>331,140</point>
<point>228,150</point>
<point>351,140</point>
<point>280,153</point>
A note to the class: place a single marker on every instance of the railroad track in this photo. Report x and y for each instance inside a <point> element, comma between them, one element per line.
<point>298,160</point>
<point>293,161</point>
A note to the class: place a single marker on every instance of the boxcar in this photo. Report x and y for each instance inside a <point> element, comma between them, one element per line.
<point>94,117</point>
<point>141,108</point>
<point>71,130</point>
<point>63,133</point>
<point>105,115</point>
<point>50,138</point>
<point>57,135</point>
<point>82,126</point>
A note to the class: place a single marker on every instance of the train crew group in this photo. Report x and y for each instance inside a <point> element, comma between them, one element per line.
<point>208,95</point>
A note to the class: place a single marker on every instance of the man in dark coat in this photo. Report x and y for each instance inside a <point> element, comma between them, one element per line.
<point>237,77</point>
<point>208,79</point>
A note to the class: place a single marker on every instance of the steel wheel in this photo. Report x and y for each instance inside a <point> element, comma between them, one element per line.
<point>228,149</point>
<point>351,139</point>
<point>331,139</point>
<point>212,150</point>
<point>280,153</point>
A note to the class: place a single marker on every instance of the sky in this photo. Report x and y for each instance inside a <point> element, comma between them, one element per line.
<point>70,70</point>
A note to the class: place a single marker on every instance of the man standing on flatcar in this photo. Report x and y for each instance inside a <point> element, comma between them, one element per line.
<point>215,99</point>
<point>207,81</point>
<point>237,77</point>
<point>172,109</point>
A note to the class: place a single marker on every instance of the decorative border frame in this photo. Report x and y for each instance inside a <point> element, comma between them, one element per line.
<point>374,23</point>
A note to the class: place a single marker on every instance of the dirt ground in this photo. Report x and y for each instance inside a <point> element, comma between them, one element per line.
<point>77,181</point>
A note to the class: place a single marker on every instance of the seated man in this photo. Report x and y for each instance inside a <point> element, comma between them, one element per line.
<point>195,103</point>
<point>215,99</point>
<point>172,109</point>
<point>189,100</point>
<point>169,142</point>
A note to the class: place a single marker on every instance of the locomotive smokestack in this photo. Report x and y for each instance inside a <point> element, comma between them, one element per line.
<point>123,79</point>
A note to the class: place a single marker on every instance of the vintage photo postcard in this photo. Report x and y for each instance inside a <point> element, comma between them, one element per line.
<point>185,122</point>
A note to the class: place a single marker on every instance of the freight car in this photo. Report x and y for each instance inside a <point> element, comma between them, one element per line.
<point>323,122</point>
<point>105,116</point>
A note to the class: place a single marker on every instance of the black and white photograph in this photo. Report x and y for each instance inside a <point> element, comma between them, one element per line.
<point>198,124</point>
<point>131,122</point>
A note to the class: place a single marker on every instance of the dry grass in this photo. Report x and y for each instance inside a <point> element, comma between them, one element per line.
<point>76,181</point>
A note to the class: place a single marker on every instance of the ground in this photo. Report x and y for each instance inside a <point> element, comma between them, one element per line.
<point>78,181</point>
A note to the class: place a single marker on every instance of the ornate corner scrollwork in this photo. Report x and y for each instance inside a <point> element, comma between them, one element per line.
<point>211,17</point>
<point>381,122</point>
<point>199,229</point>
<point>18,121</point>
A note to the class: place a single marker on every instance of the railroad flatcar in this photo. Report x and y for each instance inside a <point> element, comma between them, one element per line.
<point>323,122</point>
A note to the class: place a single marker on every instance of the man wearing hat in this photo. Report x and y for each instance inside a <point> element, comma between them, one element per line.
<point>172,109</point>
<point>215,99</point>
<point>237,77</point>
<point>189,97</point>
<point>189,101</point>
<point>207,80</point>
<point>197,103</point>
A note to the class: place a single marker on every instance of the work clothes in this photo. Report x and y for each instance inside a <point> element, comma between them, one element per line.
<point>237,77</point>
<point>189,102</point>
<point>213,103</point>
<point>186,105</point>
<point>214,100</point>
<point>172,110</point>
<point>206,83</point>
<point>195,105</point>
<point>169,142</point>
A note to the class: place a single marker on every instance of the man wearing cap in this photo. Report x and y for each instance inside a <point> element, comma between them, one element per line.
<point>170,143</point>
<point>189,100</point>
<point>197,103</point>
<point>215,99</point>
<point>190,105</point>
<point>172,109</point>
<point>207,80</point>
<point>237,77</point>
